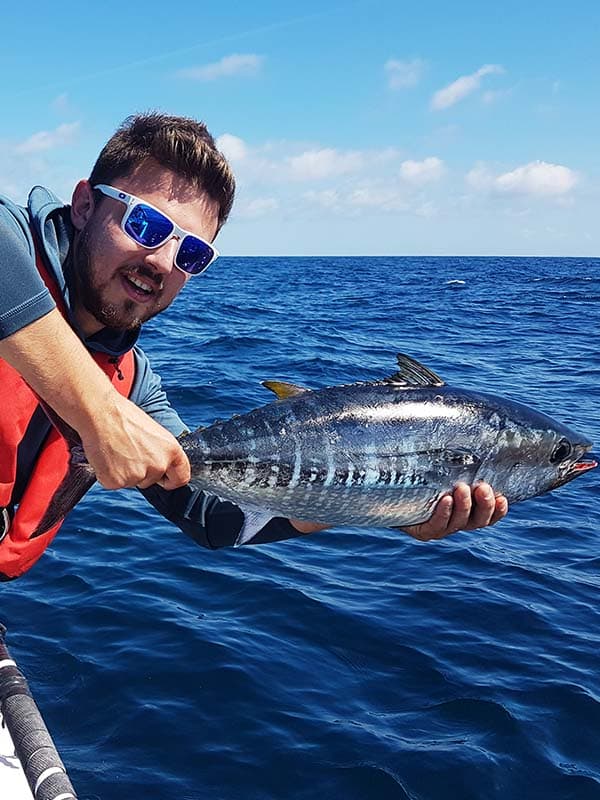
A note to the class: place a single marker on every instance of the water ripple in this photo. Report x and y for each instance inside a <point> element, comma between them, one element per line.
<point>351,663</point>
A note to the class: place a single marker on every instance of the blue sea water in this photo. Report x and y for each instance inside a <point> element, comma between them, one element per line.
<point>349,664</point>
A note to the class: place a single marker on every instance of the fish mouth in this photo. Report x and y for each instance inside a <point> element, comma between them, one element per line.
<point>579,467</point>
<point>582,463</point>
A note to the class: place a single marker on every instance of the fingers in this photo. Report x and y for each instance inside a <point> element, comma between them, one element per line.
<point>501,509</point>
<point>475,508</point>
<point>466,509</point>
<point>307,527</point>
<point>486,508</point>
<point>178,474</point>
<point>440,524</point>
<point>437,526</point>
<point>128,448</point>
<point>170,469</point>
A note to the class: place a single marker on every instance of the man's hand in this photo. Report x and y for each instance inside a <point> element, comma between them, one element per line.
<point>128,448</point>
<point>464,510</point>
<point>124,445</point>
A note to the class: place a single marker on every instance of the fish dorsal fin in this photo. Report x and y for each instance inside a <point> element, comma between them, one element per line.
<point>412,373</point>
<point>284,390</point>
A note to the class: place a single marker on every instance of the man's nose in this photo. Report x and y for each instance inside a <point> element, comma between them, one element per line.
<point>162,258</point>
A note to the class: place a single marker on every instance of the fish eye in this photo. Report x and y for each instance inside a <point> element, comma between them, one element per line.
<point>561,451</point>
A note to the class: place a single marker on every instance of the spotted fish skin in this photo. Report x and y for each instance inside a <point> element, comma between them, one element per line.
<point>383,453</point>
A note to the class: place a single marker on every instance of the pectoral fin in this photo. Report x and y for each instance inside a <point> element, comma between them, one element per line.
<point>255,520</point>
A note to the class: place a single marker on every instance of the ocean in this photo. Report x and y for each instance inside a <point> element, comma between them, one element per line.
<point>349,664</point>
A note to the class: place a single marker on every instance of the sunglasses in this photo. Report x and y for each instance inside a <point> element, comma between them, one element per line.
<point>150,228</point>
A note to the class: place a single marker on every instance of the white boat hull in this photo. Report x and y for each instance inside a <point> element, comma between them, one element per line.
<point>13,783</point>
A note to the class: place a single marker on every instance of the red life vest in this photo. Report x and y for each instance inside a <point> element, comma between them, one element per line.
<point>18,550</point>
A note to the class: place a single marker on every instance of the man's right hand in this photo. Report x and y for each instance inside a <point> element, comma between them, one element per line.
<point>124,445</point>
<point>128,448</point>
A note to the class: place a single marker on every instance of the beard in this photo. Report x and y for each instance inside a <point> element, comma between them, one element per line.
<point>90,291</point>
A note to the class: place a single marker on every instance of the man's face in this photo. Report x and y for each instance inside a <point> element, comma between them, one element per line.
<point>118,283</point>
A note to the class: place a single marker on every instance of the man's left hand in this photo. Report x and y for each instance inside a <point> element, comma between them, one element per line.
<point>466,509</point>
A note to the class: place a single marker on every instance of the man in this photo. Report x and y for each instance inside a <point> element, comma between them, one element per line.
<point>77,283</point>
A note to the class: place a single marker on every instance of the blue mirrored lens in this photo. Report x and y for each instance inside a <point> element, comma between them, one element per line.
<point>148,226</point>
<point>194,255</point>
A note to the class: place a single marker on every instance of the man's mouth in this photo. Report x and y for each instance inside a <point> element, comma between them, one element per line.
<point>139,288</point>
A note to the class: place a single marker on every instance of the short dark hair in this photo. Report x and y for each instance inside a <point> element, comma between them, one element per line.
<point>181,144</point>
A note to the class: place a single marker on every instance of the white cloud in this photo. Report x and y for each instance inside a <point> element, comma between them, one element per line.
<point>381,157</point>
<point>378,197</point>
<point>538,179</point>
<point>480,178</point>
<point>462,87</point>
<point>257,207</point>
<point>418,172</point>
<point>331,180</point>
<point>61,103</point>
<point>280,162</point>
<point>246,65</point>
<point>426,210</point>
<point>327,198</point>
<point>232,147</point>
<point>404,74</point>
<point>324,163</point>
<point>48,140</point>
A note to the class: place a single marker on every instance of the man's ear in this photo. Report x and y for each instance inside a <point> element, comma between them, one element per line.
<point>82,204</point>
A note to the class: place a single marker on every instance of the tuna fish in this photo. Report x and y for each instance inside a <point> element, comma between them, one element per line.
<point>377,454</point>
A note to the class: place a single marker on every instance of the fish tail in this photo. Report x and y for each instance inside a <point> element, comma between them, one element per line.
<point>79,478</point>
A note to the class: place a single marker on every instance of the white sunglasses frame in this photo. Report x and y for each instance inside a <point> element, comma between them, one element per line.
<point>130,201</point>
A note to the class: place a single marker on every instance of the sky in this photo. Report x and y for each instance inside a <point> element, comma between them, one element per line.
<point>353,128</point>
